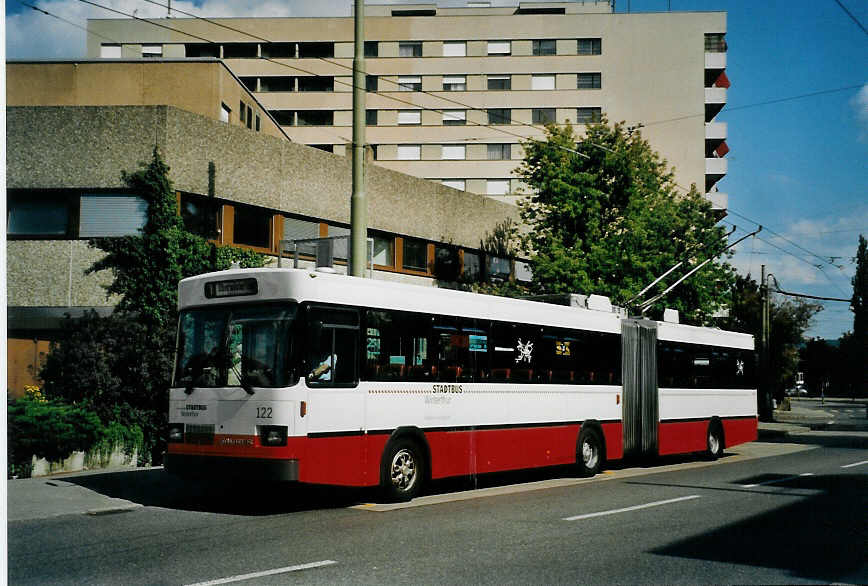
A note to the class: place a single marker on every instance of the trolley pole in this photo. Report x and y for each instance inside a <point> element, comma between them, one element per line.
<point>765,392</point>
<point>358,202</point>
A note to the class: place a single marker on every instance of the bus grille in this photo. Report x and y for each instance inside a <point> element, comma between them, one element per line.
<point>199,434</point>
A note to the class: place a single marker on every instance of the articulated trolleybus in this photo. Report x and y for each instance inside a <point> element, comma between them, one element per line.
<point>314,377</point>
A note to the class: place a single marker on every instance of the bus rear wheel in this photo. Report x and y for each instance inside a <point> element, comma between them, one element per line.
<point>403,471</point>
<point>714,441</point>
<point>590,453</point>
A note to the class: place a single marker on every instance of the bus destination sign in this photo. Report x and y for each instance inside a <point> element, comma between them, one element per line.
<point>231,288</point>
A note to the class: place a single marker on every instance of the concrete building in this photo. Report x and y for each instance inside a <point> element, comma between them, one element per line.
<point>452,92</point>
<point>74,127</point>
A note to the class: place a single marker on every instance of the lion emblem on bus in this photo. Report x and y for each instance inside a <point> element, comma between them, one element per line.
<point>525,351</point>
<point>739,367</point>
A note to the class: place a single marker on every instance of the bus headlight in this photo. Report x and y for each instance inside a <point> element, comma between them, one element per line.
<point>176,432</point>
<point>272,435</point>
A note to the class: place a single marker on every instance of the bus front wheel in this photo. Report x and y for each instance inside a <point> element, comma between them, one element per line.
<point>590,456</point>
<point>403,470</point>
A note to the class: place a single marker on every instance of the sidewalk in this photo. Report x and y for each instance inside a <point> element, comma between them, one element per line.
<point>52,496</point>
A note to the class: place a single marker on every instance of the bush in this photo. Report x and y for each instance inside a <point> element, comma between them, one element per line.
<point>53,430</point>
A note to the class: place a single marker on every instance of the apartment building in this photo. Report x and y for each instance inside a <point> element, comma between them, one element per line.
<point>453,91</point>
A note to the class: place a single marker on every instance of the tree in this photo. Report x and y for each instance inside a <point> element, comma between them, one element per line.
<point>788,321</point>
<point>859,306</point>
<point>120,366</point>
<point>607,219</point>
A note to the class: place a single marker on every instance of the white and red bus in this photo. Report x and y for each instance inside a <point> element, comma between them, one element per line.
<point>315,377</point>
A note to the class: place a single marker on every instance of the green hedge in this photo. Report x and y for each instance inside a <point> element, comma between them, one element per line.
<point>53,430</point>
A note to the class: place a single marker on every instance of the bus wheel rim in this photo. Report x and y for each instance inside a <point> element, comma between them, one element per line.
<point>589,454</point>
<point>713,443</point>
<point>403,470</point>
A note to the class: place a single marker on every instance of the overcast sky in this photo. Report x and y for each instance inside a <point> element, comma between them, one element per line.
<point>799,166</point>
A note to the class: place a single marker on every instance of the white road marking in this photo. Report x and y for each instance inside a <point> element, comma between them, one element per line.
<point>776,480</point>
<point>854,464</point>
<point>633,508</point>
<point>241,577</point>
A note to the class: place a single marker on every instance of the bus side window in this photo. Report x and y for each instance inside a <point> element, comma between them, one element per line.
<point>333,335</point>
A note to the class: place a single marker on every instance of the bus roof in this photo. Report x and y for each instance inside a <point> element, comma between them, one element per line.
<point>299,285</point>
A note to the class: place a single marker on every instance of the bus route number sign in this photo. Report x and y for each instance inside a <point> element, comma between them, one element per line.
<point>231,288</point>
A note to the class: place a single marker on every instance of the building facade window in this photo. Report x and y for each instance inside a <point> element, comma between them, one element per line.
<point>410,83</point>
<point>498,267</point>
<point>409,152</point>
<point>409,117</point>
<point>499,47</point>
<point>587,115</point>
<point>415,255</point>
<point>202,50</point>
<point>278,50</point>
<point>499,116</point>
<point>545,47</point>
<point>410,49</point>
<point>372,49</point>
<point>110,51</point>
<point>384,251</point>
<point>225,112</point>
<point>497,186</point>
<point>454,117</point>
<point>715,42</point>
<point>314,118</point>
<point>277,83</point>
<point>35,214</point>
<point>453,152</point>
<point>542,82</point>
<point>589,81</point>
<point>152,51</point>
<point>499,152</point>
<point>499,82</point>
<point>543,115</point>
<point>252,226</point>
<point>472,266</point>
<point>250,83</point>
<point>590,47</point>
<point>371,83</point>
<point>199,215</point>
<point>240,50</point>
<point>329,148</point>
<point>459,184</point>
<point>316,50</point>
<point>283,117</point>
<point>371,117</point>
<point>319,83</point>
<point>454,83</point>
<point>523,272</point>
<point>454,49</point>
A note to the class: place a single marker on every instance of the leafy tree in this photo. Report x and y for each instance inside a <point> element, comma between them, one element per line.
<point>859,306</point>
<point>120,366</point>
<point>605,217</point>
<point>788,321</point>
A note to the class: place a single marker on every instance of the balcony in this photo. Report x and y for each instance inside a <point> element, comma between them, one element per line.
<point>715,169</point>
<point>715,60</point>
<point>715,100</point>
<point>715,131</point>
<point>719,201</point>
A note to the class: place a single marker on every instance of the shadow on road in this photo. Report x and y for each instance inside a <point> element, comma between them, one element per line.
<point>155,487</point>
<point>821,537</point>
<point>843,439</point>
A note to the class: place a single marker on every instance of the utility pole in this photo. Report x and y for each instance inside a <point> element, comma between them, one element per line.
<point>765,398</point>
<point>358,202</point>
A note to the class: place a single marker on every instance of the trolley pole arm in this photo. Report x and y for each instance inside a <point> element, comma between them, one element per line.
<point>643,307</point>
<point>664,275</point>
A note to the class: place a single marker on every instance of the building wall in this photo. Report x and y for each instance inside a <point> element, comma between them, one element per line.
<point>652,67</point>
<point>197,87</point>
<point>88,147</point>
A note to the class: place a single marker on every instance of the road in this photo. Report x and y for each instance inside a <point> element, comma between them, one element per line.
<point>765,513</point>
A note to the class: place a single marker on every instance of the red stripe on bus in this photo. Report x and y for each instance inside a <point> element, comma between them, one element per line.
<point>690,436</point>
<point>739,431</point>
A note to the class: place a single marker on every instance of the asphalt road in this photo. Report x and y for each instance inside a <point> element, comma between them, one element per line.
<point>765,513</point>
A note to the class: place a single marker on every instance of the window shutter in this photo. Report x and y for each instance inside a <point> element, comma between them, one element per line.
<point>111,215</point>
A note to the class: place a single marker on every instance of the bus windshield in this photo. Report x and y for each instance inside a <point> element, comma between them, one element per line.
<point>245,345</point>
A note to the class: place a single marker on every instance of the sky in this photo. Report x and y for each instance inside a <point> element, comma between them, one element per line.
<point>798,167</point>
